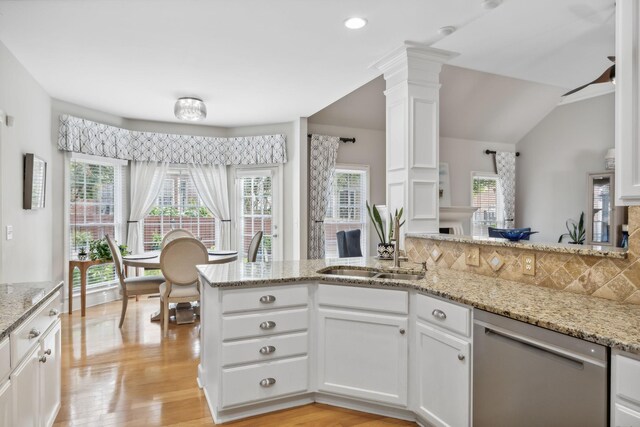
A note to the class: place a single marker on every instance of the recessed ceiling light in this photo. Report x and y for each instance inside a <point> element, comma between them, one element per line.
<point>355,23</point>
<point>445,31</point>
<point>491,4</point>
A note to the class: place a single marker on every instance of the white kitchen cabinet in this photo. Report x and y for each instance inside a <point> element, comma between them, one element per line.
<point>50,373</point>
<point>625,389</point>
<point>443,376</point>
<point>363,355</point>
<point>26,390</point>
<point>6,403</point>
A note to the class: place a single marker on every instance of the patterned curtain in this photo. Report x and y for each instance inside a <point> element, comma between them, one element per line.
<point>506,169</point>
<point>84,136</point>
<point>324,150</point>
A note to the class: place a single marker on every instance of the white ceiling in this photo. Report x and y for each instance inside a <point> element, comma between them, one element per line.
<point>257,61</point>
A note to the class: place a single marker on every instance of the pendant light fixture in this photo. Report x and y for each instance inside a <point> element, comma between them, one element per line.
<point>190,109</point>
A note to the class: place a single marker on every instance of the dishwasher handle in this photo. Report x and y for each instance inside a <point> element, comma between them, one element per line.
<point>578,364</point>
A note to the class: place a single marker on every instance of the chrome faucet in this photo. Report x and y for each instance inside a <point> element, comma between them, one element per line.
<point>396,235</point>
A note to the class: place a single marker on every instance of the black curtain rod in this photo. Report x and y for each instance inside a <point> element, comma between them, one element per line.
<point>353,140</point>
<point>493,152</point>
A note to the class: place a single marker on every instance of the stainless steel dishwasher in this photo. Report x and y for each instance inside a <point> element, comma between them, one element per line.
<point>525,375</point>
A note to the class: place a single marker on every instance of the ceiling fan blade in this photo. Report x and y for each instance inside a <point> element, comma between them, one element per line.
<point>605,77</point>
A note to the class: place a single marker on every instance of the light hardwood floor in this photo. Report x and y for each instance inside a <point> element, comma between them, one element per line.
<point>132,377</point>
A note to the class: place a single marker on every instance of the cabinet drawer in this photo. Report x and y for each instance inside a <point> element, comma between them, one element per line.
<point>265,298</point>
<point>445,314</point>
<point>627,378</point>
<point>5,359</point>
<point>261,324</point>
<point>627,417</point>
<point>264,349</point>
<point>22,339</point>
<point>382,300</point>
<point>253,383</point>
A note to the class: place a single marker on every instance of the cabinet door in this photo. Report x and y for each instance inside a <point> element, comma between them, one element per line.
<point>6,404</point>
<point>50,372</point>
<point>363,355</point>
<point>444,377</point>
<point>26,393</point>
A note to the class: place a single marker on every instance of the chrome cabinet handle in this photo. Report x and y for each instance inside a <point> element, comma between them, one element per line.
<point>461,356</point>
<point>42,359</point>
<point>267,382</point>
<point>267,325</point>
<point>439,314</point>
<point>266,299</point>
<point>53,312</point>
<point>48,352</point>
<point>34,333</point>
<point>402,331</point>
<point>267,349</point>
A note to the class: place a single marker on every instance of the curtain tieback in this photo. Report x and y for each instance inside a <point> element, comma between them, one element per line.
<point>225,220</point>
<point>132,222</point>
<point>318,221</point>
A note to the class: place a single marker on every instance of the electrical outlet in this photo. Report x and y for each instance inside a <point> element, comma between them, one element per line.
<point>9,232</point>
<point>529,264</point>
<point>472,256</point>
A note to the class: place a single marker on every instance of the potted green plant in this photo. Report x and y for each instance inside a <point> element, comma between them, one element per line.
<point>99,250</point>
<point>385,247</point>
<point>82,253</point>
<point>576,231</point>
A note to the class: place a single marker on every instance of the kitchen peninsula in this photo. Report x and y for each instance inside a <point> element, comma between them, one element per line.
<point>282,334</point>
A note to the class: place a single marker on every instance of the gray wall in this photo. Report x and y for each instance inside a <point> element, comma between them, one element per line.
<point>27,256</point>
<point>556,156</point>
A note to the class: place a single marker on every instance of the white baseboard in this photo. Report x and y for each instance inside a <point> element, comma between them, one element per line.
<point>359,405</point>
<point>95,297</point>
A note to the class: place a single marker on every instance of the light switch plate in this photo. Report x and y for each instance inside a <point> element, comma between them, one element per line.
<point>529,264</point>
<point>9,232</point>
<point>472,256</point>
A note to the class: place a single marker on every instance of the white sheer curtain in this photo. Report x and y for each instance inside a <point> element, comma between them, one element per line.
<point>322,165</point>
<point>211,183</point>
<point>146,182</point>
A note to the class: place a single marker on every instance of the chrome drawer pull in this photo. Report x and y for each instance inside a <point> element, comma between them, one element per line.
<point>34,333</point>
<point>53,312</point>
<point>267,325</point>
<point>266,299</point>
<point>48,352</point>
<point>267,349</point>
<point>439,314</point>
<point>461,356</point>
<point>267,382</point>
<point>42,359</point>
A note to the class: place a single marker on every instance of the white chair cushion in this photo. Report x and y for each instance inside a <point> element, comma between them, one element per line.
<point>178,291</point>
<point>144,283</point>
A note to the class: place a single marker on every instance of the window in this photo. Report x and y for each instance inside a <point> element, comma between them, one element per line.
<point>255,189</point>
<point>96,203</point>
<point>485,197</point>
<point>178,206</point>
<point>347,207</point>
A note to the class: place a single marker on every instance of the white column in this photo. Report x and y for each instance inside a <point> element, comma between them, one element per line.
<point>412,74</point>
<point>627,102</point>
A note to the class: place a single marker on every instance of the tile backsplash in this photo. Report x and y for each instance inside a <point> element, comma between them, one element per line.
<point>615,279</point>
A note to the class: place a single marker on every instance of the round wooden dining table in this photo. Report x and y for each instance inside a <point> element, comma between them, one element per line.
<point>151,261</point>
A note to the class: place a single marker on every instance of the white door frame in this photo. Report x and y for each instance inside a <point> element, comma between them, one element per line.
<point>276,173</point>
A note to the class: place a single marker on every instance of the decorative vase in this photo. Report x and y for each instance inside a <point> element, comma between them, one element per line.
<point>386,250</point>
<point>82,255</point>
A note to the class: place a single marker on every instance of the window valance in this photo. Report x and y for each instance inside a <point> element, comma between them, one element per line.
<point>84,136</point>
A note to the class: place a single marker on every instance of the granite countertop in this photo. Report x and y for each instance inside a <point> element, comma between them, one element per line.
<point>588,250</point>
<point>594,319</point>
<point>19,300</point>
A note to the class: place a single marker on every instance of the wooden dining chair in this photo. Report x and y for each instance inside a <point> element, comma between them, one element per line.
<point>178,262</point>
<point>252,253</point>
<point>175,234</point>
<point>131,286</point>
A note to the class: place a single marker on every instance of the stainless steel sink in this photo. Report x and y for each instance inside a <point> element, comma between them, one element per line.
<point>374,274</point>
<point>340,271</point>
<point>399,276</point>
